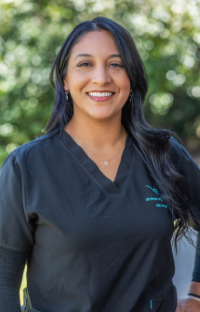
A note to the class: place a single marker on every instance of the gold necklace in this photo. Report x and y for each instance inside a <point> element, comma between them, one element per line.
<point>106,162</point>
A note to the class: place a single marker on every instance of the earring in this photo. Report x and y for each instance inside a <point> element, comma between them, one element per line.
<point>131,96</point>
<point>66,92</point>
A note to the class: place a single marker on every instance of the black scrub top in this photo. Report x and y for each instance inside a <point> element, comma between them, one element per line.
<point>95,245</point>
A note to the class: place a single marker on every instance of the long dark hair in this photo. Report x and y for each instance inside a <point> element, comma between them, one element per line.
<point>151,144</point>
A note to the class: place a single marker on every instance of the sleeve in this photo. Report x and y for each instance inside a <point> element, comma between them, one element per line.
<point>15,231</point>
<point>191,171</point>
<point>11,270</point>
<point>196,270</point>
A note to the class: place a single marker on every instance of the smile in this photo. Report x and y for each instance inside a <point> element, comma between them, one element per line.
<point>100,96</point>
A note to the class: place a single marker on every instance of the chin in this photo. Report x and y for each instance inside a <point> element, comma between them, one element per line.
<point>102,118</point>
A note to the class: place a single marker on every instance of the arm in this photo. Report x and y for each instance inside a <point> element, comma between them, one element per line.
<point>16,235</point>
<point>192,303</point>
<point>191,171</point>
<point>11,270</point>
<point>195,283</point>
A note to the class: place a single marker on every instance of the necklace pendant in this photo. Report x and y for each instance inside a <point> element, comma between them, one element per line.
<point>106,163</point>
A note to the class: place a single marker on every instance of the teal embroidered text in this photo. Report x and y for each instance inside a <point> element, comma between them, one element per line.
<point>155,198</point>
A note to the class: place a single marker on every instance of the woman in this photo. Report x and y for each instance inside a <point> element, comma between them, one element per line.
<point>93,203</point>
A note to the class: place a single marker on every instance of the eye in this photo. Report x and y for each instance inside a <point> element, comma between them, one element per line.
<point>83,64</point>
<point>117,65</point>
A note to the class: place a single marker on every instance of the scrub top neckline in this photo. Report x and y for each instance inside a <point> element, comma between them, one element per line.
<point>79,155</point>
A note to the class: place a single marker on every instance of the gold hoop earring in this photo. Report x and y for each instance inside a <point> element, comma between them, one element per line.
<point>67,92</point>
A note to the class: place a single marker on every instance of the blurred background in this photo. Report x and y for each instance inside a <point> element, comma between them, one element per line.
<point>167,35</point>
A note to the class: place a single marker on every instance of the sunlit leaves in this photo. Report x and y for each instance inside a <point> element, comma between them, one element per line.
<point>167,34</point>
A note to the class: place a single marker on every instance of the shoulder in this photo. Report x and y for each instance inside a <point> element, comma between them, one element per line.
<point>33,149</point>
<point>38,144</point>
<point>180,156</point>
<point>174,144</point>
<point>175,150</point>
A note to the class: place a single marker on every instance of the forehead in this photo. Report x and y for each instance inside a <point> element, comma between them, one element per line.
<point>96,42</point>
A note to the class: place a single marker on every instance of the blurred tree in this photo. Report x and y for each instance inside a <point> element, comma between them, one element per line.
<point>166,32</point>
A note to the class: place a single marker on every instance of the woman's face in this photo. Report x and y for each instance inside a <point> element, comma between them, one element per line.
<point>96,79</point>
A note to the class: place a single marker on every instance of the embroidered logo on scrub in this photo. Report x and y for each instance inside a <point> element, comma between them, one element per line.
<point>156,198</point>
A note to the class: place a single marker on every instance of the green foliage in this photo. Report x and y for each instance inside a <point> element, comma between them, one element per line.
<point>167,34</point>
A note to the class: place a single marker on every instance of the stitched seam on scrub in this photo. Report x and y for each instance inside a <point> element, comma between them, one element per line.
<point>126,181</point>
<point>12,248</point>
<point>71,154</point>
<point>179,164</point>
<point>24,179</point>
<point>94,180</point>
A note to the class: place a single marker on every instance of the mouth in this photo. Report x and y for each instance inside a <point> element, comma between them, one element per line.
<point>100,96</point>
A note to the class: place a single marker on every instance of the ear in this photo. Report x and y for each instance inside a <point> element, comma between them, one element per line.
<point>66,86</point>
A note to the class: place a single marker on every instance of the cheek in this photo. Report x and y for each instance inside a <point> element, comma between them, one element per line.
<point>124,84</point>
<point>78,81</point>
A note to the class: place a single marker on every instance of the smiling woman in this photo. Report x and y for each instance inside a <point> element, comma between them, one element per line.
<point>96,75</point>
<point>99,86</point>
<point>94,203</point>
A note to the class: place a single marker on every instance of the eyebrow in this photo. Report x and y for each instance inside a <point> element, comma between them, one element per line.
<point>88,55</point>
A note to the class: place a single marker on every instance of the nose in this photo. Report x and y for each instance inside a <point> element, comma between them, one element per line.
<point>101,76</point>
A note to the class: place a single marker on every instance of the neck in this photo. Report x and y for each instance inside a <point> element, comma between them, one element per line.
<point>97,135</point>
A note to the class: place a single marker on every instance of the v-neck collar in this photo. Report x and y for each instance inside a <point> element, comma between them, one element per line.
<point>92,169</point>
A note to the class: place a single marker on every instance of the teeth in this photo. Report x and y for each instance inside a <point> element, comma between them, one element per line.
<point>98,94</point>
